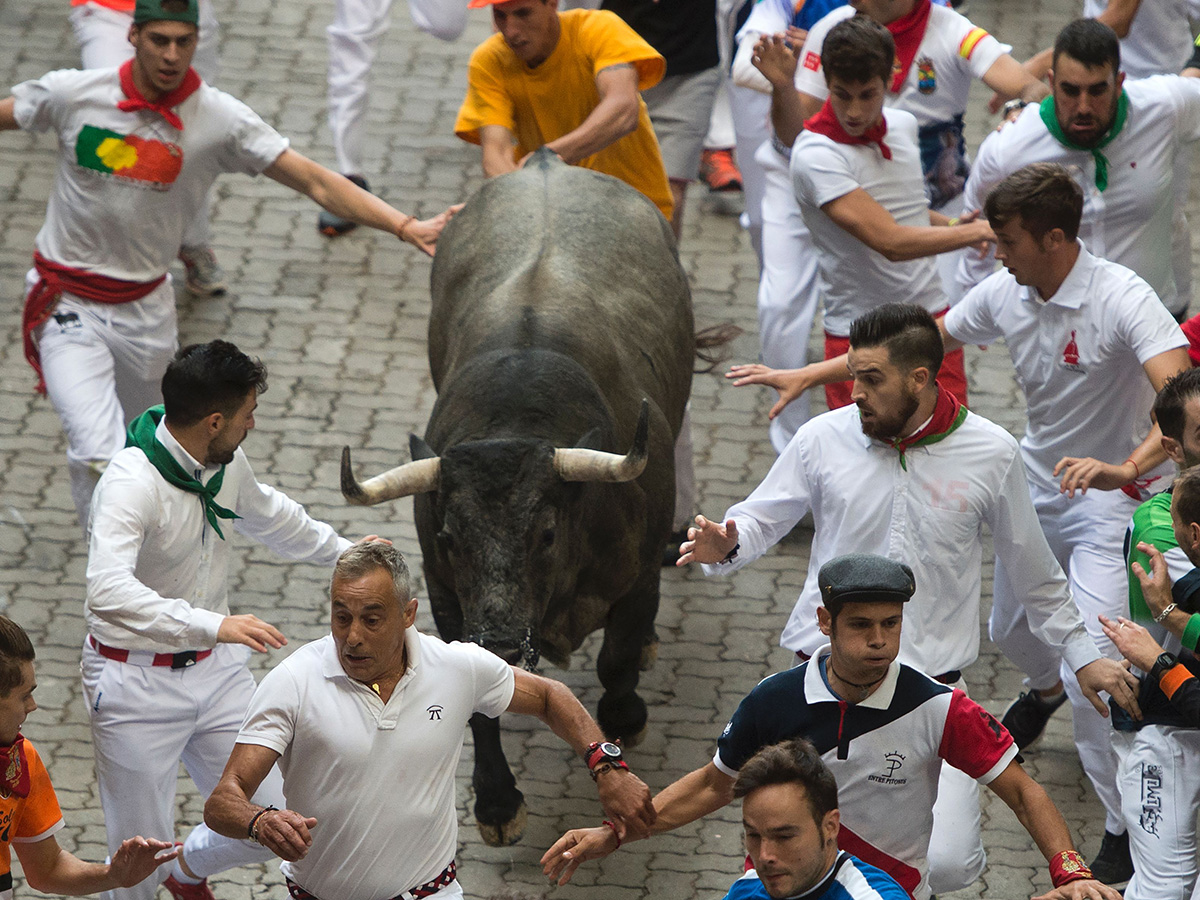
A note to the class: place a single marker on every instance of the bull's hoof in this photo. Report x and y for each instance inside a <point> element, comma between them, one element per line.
<point>649,656</point>
<point>624,719</point>
<point>507,833</point>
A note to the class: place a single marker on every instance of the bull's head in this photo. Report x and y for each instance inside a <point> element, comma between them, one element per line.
<point>505,517</point>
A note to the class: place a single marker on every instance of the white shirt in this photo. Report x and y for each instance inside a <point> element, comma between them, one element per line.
<point>952,53</point>
<point>128,223</point>
<point>378,777</point>
<point>1078,358</point>
<point>1159,41</point>
<point>929,516</point>
<point>156,572</point>
<point>855,278</point>
<point>1131,221</point>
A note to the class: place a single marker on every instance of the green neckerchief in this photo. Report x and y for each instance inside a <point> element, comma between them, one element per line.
<point>141,435</point>
<point>1050,117</point>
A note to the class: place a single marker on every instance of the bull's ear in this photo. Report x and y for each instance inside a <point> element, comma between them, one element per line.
<point>590,441</point>
<point>419,449</point>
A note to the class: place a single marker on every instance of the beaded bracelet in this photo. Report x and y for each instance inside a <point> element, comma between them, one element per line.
<point>1068,866</point>
<point>614,831</point>
<point>252,828</point>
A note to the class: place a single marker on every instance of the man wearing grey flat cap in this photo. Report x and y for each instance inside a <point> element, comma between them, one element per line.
<point>882,727</point>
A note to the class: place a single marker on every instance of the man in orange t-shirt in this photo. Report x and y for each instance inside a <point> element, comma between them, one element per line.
<point>567,81</point>
<point>29,812</point>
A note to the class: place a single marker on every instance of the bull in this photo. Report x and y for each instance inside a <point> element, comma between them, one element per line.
<point>561,346</point>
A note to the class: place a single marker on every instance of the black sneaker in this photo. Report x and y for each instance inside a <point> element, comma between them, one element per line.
<point>329,224</point>
<point>1026,718</point>
<point>1113,865</point>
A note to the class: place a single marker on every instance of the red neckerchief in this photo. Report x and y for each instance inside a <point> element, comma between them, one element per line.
<point>164,104</point>
<point>826,123</point>
<point>948,414</point>
<point>14,771</point>
<point>908,32</point>
<point>1191,330</point>
<point>55,278</point>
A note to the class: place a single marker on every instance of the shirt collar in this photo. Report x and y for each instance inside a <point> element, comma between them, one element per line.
<point>190,464</point>
<point>816,691</point>
<point>1072,293</point>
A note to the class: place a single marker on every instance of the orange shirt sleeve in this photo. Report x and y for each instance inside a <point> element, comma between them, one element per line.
<point>487,101</point>
<point>40,812</point>
<point>612,42</point>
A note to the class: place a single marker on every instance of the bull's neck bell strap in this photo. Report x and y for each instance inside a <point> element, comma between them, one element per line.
<point>141,434</point>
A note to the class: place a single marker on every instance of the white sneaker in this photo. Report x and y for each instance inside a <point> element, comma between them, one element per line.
<point>205,278</point>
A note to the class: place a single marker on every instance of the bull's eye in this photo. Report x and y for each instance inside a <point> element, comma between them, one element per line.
<point>445,540</point>
<point>548,538</point>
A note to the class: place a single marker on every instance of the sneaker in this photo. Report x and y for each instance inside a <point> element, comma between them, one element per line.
<point>1113,865</point>
<point>1026,718</point>
<point>719,171</point>
<point>205,277</point>
<point>181,891</point>
<point>329,224</point>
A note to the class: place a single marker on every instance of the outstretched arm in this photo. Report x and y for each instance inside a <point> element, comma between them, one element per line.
<point>52,870</point>
<point>344,198</point>
<point>694,795</point>
<point>615,116</point>
<point>8,119</point>
<point>624,796</point>
<point>1041,818</point>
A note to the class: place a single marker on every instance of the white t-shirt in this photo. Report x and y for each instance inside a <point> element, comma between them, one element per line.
<point>855,278</point>
<point>952,52</point>
<point>128,183</point>
<point>378,777</point>
<point>928,514</point>
<point>1159,40</point>
<point>1130,222</point>
<point>1078,358</point>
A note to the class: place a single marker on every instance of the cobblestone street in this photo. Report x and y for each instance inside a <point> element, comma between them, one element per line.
<point>341,326</point>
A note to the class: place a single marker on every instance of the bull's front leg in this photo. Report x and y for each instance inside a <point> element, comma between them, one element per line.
<point>627,634</point>
<point>499,806</point>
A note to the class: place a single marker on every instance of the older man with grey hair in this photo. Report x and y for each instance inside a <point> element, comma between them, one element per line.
<point>367,726</point>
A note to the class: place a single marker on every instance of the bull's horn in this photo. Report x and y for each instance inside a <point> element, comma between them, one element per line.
<point>403,481</point>
<point>576,464</point>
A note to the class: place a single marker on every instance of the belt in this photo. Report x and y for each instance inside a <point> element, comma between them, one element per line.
<point>181,660</point>
<point>428,889</point>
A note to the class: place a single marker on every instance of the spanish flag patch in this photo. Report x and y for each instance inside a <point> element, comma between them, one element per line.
<point>155,163</point>
<point>968,44</point>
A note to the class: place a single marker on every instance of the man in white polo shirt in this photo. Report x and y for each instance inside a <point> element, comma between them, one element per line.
<point>1122,142</point>
<point>367,726</point>
<point>909,473</point>
<point>1091,344</point>
<point>856,169</point>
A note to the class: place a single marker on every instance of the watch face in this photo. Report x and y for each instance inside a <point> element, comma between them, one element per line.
<point>610,749</point>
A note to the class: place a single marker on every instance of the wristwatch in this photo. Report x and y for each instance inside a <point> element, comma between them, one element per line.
<point>604,753</point>
<point>1165,663</point>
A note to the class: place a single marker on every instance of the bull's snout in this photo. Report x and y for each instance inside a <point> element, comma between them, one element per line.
<point>516,650</point>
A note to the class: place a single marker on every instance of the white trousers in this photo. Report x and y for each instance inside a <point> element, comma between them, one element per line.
<point>353,39</point>
<point>144,721</point>
<point>1160,793</point>
<point>104,365</point>
<point>1086,535</point>
<point>103,38</point>
<point>751,126</point>
<point>788,289</point>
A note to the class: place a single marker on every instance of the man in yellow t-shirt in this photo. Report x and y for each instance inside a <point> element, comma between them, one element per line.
<point>567,81</point>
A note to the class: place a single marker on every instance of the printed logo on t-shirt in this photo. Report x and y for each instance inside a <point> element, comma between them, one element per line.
<point>1070,358</point>
<point>926,76</point>
<point>812,61</point>
<point>968,44</point>
<point>435,712</point>
<point>154,164</point>
<point>892,761</point>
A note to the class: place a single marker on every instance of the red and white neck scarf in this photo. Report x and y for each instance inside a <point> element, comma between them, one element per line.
<point>165,104</point>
